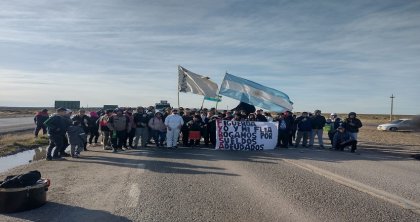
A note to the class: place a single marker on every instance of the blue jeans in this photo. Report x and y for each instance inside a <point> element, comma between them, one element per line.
<point>158,137</point>
<point>318,133</point>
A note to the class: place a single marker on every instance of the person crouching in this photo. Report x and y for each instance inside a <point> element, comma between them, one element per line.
<point>77,138</point>
<point>342,139</point>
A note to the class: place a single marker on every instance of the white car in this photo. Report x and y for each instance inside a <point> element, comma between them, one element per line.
<point>401,124</point>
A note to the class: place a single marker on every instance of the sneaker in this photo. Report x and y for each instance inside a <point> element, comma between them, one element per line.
<point>49,158</point>
<point>124,149</point>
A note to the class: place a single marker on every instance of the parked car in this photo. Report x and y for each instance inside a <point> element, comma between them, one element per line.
<point>401,124</point>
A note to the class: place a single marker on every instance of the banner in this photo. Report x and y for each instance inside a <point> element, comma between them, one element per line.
<point>194,83</point>
<point>246,135</point>
<point>255,94</point>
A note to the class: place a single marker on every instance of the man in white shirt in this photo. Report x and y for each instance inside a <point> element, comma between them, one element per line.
<point>173,124</point>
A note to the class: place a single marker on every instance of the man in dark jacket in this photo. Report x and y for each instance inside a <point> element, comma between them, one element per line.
<point>56,127</point>
<point>39,120</point>
<point>342,139</point>
<point>184,129</point>
<point>318,123</point>
<point>352,124</point>
<point>284,131</point>
<point>84,122</point>
<point>260,116</point>
<point>119,125</point>
<point>304,127</point>
<point>141,121</point>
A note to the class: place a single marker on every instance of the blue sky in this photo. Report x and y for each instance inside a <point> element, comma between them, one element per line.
<point>331,55</point>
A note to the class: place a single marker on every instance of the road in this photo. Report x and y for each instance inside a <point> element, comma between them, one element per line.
<point>16,124</point>
<point>209,185</point>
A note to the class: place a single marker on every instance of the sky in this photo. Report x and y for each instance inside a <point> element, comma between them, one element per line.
<point>336,56</point>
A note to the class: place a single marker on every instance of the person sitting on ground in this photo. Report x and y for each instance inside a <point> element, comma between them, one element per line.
<point>76,137</point>
<point>342,139</point>
<point>39,120</point>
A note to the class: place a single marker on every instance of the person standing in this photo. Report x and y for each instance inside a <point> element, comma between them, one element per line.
<point>260,116</point>
<point>119,125</point>
<point>76,137</point>
<point>84,122</point>
<point>93,128</point>
<point>105,131</point>
<point>184,129</point>
<point>56,127</point>
<point>284,131</point>
<point>39,120</point>
<point>318,123</point>
<point>304,127</point>
<point>158,129</point>
<point>141,121</point>
<point>288,116</point>
<point>352,124</point>
<point>132,133</point>
<point>173,124</point>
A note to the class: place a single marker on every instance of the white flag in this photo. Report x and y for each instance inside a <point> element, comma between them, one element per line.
<point>197,84</point>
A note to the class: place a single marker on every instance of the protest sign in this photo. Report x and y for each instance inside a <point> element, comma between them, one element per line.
<point>246,135</point>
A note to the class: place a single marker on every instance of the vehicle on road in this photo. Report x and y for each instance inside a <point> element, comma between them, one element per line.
<point>400,124</point>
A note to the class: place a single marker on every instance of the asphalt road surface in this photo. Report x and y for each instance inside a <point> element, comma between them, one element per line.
<point>16,124</point>
<point>208,185</point>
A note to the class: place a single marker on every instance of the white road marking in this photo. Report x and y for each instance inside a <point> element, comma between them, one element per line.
<point>391,198</point>
<point>133,196</point>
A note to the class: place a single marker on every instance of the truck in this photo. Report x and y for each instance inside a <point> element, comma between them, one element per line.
<point>162,105</point>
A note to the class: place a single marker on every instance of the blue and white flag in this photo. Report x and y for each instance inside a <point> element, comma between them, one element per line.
<point>255,94</point>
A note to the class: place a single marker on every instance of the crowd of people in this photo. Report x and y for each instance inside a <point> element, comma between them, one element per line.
<point>126,128</point>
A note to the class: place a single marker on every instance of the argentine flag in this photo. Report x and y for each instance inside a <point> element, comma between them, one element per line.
<point>255,94</point>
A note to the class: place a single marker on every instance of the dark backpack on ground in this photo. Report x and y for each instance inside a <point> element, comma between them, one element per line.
<point>22,180</point>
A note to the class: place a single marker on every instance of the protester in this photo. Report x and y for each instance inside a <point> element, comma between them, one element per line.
<point>228,116</point>
<point>105,131</point>
<point>284,131</point>
<point>251,117</point>
<point>173,125</point>
<point>39,120</point>
<point>334,123</point>
<point>288,116</point>
<point>84,121</point>
<point>212,127</point>
<point>352,124</point>
<point>76,137</point>
<point>204,130</point>
<point>56,127</point>
<point>318,123</point>
<point>158,129</point>
<point>141,121</point>
<point>342,139</point>
<point>119,125</point>
<point>194,127</point>
<point>304,127</point>
<point>260,116</point>
<point>132,132</point>
<point>184,129</point>
<point>268,117</point>
<point>93,128</point>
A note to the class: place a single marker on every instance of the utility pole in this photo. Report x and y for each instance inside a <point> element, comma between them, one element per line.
<point>392,107</point>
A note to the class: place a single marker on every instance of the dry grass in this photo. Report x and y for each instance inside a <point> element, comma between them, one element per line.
<point>18,142</point>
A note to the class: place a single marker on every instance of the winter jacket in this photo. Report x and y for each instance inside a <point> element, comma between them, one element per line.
<point>141,120</point>
<point>186,120</point>
<point>102,122</point>
<point>304,123</point>
<point>352,125</point>
<point>118,123</point>
<point>130,116</point>
<point>157,124</point>
<point>340,137</point>
<point>56,125</point>
<point>194,125</point>
<point>40,118</point>
<point>261,118</point>
<point>76,135</point>
<point>84,121</point>
<point>318,122</point>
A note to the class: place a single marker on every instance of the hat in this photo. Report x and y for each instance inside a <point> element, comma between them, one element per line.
<point>333,114</point>
<point>44,110</point>
<point>61,109</point>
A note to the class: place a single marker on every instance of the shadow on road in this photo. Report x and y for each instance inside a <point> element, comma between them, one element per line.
<point>61,213</point>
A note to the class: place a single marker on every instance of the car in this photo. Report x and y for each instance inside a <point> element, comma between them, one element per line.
<point>400,124</point>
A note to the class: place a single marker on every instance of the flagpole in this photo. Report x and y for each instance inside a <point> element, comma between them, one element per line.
<point>178,87</point>
<point>202,104</point>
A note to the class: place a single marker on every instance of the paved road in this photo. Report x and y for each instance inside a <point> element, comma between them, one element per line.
<point>208,185</point>
<point>16,124</point>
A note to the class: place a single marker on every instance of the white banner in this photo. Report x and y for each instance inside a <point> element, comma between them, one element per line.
<point>246,135</point>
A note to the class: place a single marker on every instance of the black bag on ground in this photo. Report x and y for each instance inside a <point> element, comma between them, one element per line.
<point>22,180</point>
